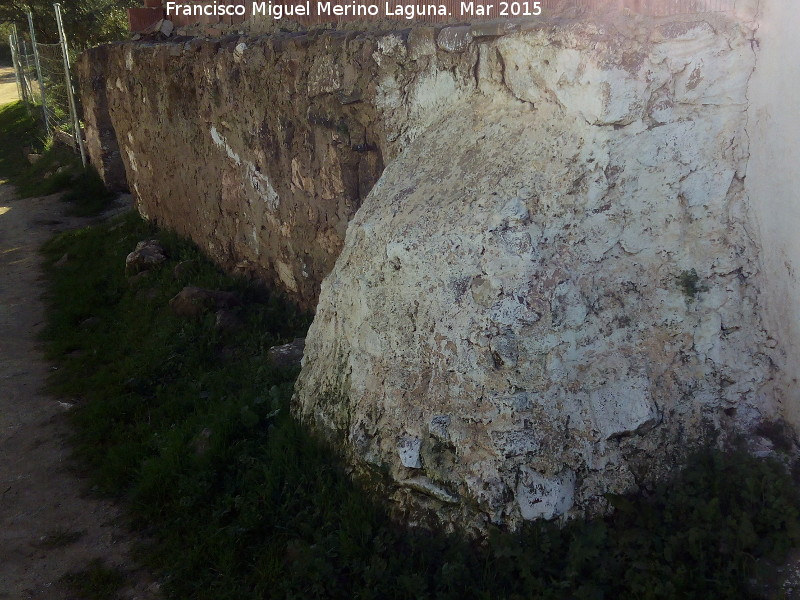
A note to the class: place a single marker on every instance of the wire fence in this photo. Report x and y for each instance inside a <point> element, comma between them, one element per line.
<point>58,113</point>
<point>24,63</point>
<point>45,83</point>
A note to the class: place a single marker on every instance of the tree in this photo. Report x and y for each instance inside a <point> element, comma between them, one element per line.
<point>86,22</point>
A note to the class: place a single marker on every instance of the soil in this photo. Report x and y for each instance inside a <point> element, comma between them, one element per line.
<point>50,524</point>
<point>8,85</point>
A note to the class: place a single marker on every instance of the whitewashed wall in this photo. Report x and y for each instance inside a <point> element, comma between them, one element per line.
<point>773,183</point>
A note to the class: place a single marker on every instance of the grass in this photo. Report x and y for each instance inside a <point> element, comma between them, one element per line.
<point>59,538</point>
<point>191,427</point>
<point>96,582</point>
<point>58,169</point>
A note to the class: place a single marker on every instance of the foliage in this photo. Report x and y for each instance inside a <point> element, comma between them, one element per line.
<point>191,426</point>
<point>17,130</point>
<point>87,193</point>
<point>5,49</point>
<point>57,170</point>
<point>86,22</point>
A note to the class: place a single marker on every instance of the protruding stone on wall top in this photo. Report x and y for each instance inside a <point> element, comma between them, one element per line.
<point>454,39</point>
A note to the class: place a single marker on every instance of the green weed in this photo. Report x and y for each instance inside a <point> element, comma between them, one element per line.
<point>689,283</point>
<point>191,427</point>
<point>17,130</point>
<point>58,169</point>
<point>96,582</point>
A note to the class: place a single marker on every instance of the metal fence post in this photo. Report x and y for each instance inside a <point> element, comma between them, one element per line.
<point>39,73</point>
<point>14,63</point>
<point>23,81</point>
<point>27,70</point>
<point>68,80</point>
<point>17,75</point>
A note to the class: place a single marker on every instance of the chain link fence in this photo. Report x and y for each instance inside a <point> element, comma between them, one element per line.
<point>25,67</point>
<point>45,83</point>
<point>51,59</point>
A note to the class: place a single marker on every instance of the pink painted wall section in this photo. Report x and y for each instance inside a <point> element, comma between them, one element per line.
<point>142,18</point>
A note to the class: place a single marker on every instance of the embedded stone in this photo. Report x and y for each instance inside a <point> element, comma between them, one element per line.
<point>541,497</point>
<point>287,355</point>
<point>454,39</point>
<point>408,449</point>
<point>489,29</point>
<point>421,42</point>
<point>426,486</point>
<point>623,408</point>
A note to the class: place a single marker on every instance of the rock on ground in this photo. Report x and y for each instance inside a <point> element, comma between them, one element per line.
<point>194,301</point>
<point>146,255</point>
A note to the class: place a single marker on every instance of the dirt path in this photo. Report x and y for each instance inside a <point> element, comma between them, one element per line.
<point>48,525</point>
<point>8,85</point>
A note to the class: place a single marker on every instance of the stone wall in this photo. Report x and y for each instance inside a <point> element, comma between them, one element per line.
<point>550,290</point>
<point>101,137</point>
<point>259,149</point>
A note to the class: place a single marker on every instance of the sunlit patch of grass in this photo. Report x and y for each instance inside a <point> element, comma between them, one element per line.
<point>17,131</point>
<point>58,169</point>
